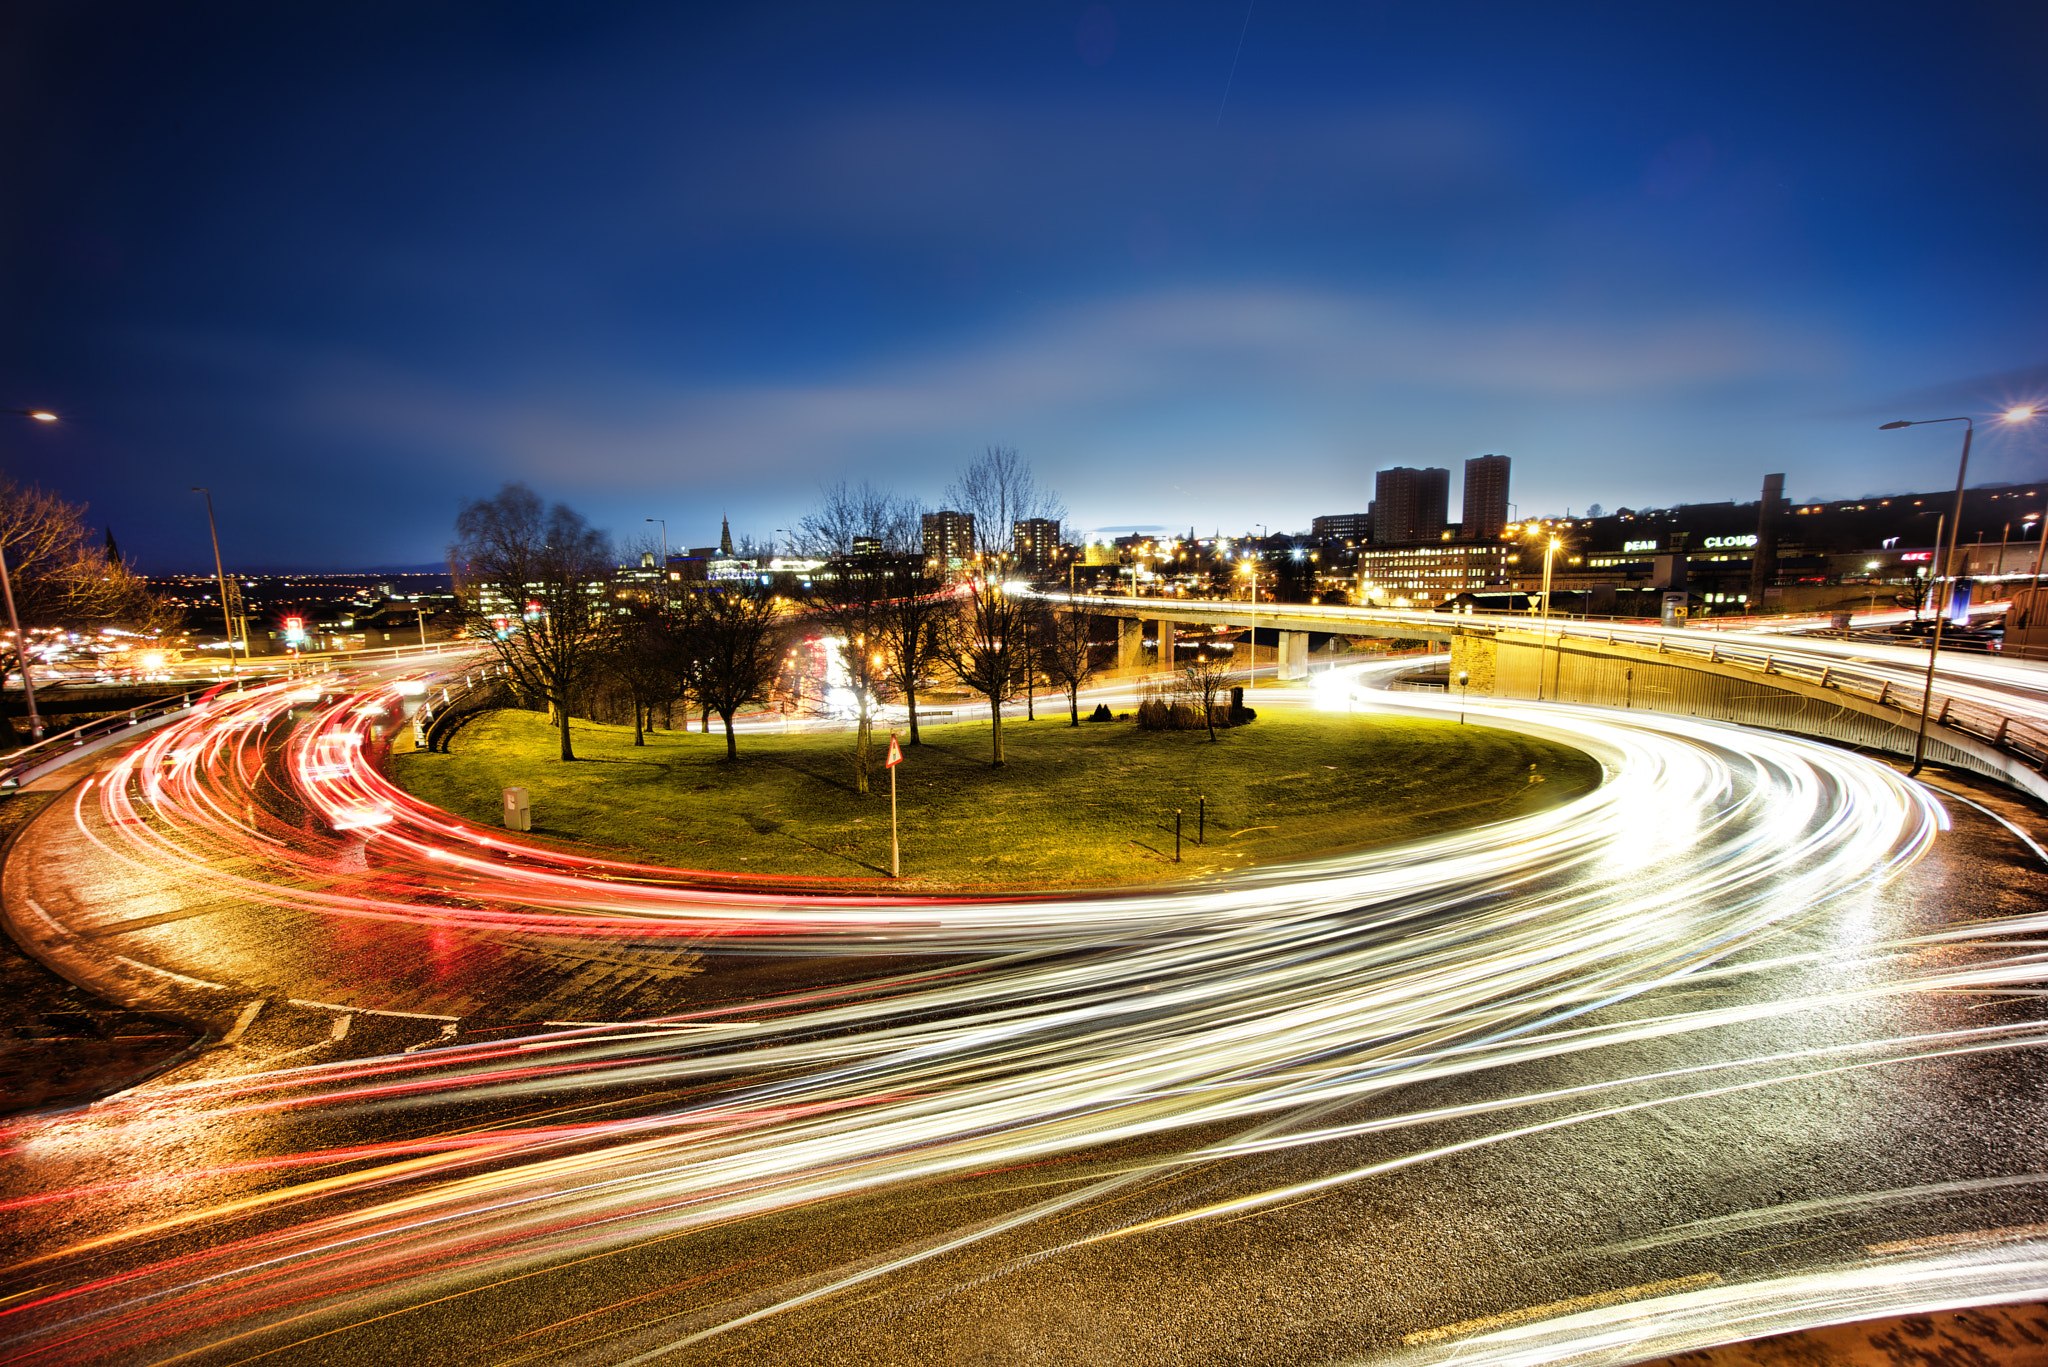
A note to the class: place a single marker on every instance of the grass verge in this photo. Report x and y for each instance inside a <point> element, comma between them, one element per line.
<point>1073,806</point>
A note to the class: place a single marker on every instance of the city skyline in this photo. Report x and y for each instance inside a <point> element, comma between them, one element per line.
<point>1199,265</point>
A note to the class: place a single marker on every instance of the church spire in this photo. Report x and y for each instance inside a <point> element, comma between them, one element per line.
<point>724,536</point>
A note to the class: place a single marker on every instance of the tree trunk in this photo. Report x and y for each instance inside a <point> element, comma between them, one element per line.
<point>995,707</point>
<point>639,736</point>
<point>860,753</point>
<point>1074,704</point>
<point>910,699</point>
<point>704,724</point>
<point>562,715</point>
<point>732,745</point>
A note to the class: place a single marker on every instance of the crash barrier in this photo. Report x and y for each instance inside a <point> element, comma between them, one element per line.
<point>446,708</point>
<point>49,752</point>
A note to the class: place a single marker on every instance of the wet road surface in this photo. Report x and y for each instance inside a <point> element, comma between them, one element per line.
<point>1778,1061</point>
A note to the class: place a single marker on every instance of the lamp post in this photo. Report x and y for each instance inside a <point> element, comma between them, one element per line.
<point>28,685</point>
<point>1543,654</point>
<point>2035,582</point>
<point>219,575</point>
<point>1955,528</point>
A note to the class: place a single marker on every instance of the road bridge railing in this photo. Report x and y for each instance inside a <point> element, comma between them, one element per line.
<point>1987,711</point>
<point>48,753</point>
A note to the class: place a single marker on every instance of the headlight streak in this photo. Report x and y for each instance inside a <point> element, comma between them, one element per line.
<point>1269,999</point>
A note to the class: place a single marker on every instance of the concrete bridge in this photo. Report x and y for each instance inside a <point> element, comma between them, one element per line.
<point>1986,715</point>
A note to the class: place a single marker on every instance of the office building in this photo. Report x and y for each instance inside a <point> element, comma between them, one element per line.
<point>1425,574</point>
<point>1409,505</point>
<point>948,542</point>
<point>1348,527</point>
<point>1486,498</point>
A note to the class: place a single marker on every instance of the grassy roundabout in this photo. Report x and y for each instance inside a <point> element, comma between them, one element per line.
<point>1092,805</point>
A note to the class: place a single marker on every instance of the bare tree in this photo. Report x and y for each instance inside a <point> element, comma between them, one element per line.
<point>916,626</point>
<point>990,651</point>
<point>61,576</point>
<point>531,581</point>
<point>1202,682</point>
<point>735,650</point>
<point>1067,653</point>
<point>849,598</point>
<point>880,601</point>
<point>646,655</point>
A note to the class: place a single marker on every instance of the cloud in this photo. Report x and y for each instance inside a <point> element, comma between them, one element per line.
<point>1194,405</point>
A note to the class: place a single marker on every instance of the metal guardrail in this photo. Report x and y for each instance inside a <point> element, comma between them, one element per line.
<point>41,752</point>
<point>2018,734</point>
<point>431,724</point>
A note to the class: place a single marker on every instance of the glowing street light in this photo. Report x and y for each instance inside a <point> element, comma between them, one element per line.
<point>1955,529</point>
<point>1542,655</point>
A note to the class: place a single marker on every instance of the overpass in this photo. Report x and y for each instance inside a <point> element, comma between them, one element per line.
<point>1986,715</point>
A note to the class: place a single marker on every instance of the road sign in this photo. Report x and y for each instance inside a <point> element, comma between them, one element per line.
<point>895,849</point>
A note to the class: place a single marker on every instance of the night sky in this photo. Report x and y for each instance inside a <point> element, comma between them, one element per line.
<point>1203,265</point>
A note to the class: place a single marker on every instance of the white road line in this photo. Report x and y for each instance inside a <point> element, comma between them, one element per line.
<point>1568,1306</point>
<point>2029,840</point>
<point>245,1020</point>
<point>368,1011</point>
<point>166,973</point>
<point>2009,1234</point>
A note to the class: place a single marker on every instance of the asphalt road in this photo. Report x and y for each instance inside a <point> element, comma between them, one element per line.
<point>1750,1045</point>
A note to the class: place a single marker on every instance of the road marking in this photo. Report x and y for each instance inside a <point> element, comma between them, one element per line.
<point>1563,1307</point>
<point>2008,1234</point>
<point>165,972</point>
<point>368,1011</point>
<point>2024,837</point>
<point>245,1020</point>
<point>162,918</point>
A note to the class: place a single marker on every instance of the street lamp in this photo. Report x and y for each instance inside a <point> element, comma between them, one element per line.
<point>1955,528</point>
<point>1543,655</point>
<point>219,575</point>
<point>28,685</point>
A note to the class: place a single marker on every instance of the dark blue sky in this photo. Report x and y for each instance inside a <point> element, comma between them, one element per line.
<point>350,264</point>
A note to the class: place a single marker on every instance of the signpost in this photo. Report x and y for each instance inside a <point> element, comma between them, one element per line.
<point>895,854</point>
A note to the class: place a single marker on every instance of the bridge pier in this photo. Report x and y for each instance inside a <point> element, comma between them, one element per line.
<point>1130,644</point>
<point>1293,654</point>
<point>1167,659</point>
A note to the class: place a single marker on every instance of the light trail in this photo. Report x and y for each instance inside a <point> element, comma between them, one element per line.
<point>1265,1012</point>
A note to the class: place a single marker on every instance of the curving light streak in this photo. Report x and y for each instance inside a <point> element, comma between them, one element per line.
<point>1272,1004</point>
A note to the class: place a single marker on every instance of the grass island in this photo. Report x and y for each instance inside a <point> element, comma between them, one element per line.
<point>1074,806</point>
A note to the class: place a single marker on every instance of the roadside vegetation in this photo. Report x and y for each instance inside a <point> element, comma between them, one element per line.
<point>1092,804</point>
